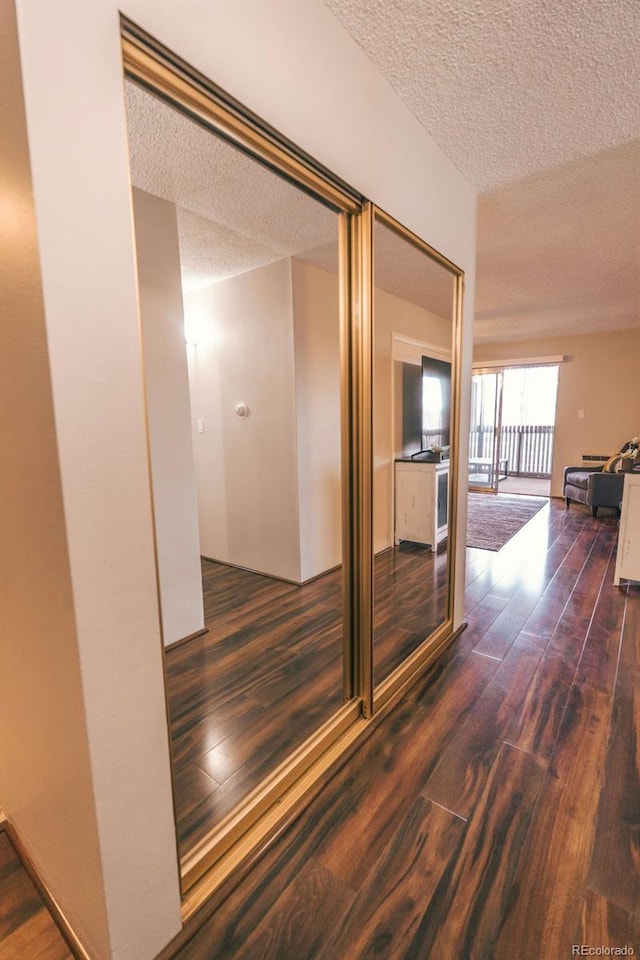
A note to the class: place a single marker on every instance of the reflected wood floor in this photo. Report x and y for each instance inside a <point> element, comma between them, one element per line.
<point>495,813</point>
<point>228,690</point>
<point>269,672</point>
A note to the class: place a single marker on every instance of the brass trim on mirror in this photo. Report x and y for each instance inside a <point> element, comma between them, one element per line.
<point>347,227</point>
<point>456,415</point>
<point>416,241</point>
<point>364,335</point>
<point>258,804</point>
<point>148,69</point>
<point>435,642</point>
<point>209,864</point>
<point>405,675</point>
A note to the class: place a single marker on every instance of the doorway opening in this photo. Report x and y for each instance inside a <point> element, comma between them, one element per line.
<point>512,429</point>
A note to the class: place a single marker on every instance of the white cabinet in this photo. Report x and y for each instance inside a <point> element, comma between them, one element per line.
<point>628,557</point>
<point>421,502</point>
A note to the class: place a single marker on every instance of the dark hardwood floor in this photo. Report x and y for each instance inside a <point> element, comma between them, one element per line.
<point>27,931</point>
<point>269,672</point>
<point>495,813</point>
<point>410,601</point>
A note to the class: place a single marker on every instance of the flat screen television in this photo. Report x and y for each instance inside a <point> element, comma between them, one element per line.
<point>436,403</point>
<point>426,405</point>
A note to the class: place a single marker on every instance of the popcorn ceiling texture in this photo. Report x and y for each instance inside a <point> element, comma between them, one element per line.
<point>508,87</point>
<point>537,103</point>
<point>559,253</point>
<point>235,215</point>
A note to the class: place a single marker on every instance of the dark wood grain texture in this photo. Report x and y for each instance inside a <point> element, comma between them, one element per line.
<point>458,780</point>
<point>603,924</point>
<point>525,591</point>
<point>268,672</point>
<point>536,745</point>
<point>599,660</point>
<point>615,869</point>
<point>397,775</point>
<point>548,887</point>
<point>297,927</point>
<point>463,917</point>
<point>389,907</point>
<point>27,931</point>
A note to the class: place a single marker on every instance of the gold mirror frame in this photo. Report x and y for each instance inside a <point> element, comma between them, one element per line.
<point>393,685</point>
<point>235,840</point>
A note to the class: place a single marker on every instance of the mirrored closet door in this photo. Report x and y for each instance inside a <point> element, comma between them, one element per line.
<point>300,355</point>
<point>243,356</point>
<point>413,387</point>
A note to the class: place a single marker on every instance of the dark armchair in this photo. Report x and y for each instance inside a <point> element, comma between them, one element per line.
<point>593,487</point>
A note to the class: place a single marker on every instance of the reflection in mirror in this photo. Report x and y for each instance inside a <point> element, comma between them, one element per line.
<point>412,382</point>
<point>245,450</point>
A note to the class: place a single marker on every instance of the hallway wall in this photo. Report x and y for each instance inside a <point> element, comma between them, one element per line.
<point>166,379</point>
<point>294,65</point>
<point>45,765</point>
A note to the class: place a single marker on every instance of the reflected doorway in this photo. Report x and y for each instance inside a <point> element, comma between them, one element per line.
<point>513,412</point>
<point>413,334</point>
<point>242,343</point>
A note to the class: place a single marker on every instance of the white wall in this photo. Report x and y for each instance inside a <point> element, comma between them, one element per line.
<point>72,75</point>
<point>294,65</point>
<point>269,485</point>
<point>316,315</point>
<point>248,499</point>
<point>45,764</point>
<point>394,316</point>
<point>168,416</point>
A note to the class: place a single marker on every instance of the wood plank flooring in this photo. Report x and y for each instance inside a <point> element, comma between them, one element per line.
<point>236,697</point>
<point>495,814</point>
<point>27,931</point>
<point>269,672</point>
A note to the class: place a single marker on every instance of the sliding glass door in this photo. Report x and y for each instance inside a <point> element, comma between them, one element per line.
<point>512,428</point>
<point>485,464</point>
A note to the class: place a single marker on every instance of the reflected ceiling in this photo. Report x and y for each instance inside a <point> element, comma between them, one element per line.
<point>235,215</point>
<point>401,267</point>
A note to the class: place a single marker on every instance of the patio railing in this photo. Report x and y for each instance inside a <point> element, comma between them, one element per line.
<point>528,450</point>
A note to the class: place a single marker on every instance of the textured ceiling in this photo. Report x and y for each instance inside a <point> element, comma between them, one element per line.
<point>508,87</point>
<point>537,103</point>
<point>560,252</point>
<point>411,274</point>
<point>235,215</point>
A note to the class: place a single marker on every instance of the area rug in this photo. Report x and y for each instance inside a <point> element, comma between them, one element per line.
<point>493,520</point>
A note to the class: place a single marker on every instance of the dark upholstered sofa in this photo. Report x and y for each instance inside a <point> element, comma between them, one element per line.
<point>589,485</point>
